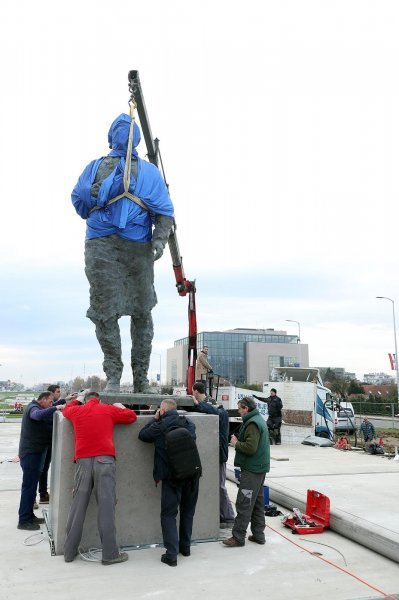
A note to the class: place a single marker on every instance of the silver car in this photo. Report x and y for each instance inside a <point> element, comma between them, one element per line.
<point>345,420</point>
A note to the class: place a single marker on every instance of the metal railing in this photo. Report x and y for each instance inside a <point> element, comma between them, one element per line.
<point>386,410</point>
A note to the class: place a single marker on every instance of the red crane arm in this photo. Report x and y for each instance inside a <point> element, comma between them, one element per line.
<point>183,285</point>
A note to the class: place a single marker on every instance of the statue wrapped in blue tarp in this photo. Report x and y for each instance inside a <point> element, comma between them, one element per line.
<point>129,216</point>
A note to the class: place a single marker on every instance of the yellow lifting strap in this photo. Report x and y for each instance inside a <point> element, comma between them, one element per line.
<point>128,167</point>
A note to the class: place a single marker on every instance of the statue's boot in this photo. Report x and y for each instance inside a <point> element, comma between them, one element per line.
<point>109,338</point>
<point>112,387</point>
<point>142,332</point>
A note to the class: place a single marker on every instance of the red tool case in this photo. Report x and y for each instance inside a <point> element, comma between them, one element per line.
<point>316,518</point>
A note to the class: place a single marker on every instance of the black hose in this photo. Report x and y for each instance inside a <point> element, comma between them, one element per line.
<point>330,433</point>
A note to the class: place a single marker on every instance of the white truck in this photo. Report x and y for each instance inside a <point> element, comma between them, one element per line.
<point>306,402</point>
<point>308,408</point>
<point>229,396</point>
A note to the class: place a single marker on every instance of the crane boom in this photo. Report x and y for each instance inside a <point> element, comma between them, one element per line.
<point>184,286</point>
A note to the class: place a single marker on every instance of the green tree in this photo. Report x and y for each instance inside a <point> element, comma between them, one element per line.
<point>355,387</point>
<point>340,387</point>
<point>329,375</point>
<point>94,383</point>
<point>78,384</point>
<point>392,393</point>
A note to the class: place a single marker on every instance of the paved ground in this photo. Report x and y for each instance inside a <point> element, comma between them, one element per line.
<point>325,566</point>
<point>356,482</point>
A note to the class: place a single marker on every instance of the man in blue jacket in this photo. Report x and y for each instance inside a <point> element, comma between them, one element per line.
<point>122,197</point>
<point>174,495</point>
<point>203,404</point>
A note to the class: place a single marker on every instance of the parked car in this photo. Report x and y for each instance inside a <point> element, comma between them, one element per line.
<point>345,420</point>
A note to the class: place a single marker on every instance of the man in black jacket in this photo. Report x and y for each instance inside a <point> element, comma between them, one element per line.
<point>174,495</point>
<point>34,441</point>
<point>203,404</point>
<point>43,480</point>
<point>274,421</point>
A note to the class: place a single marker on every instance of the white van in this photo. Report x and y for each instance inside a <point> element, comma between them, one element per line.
<point>345,419</point>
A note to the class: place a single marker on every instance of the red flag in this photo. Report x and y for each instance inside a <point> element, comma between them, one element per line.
<point>392,360</point>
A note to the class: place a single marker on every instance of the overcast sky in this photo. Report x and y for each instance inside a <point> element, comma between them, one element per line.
<point>279,129</point>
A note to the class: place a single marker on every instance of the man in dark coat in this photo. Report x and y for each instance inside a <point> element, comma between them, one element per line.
<point>203,404</point>
<point>34,441</point>
<point>274,421</point>
<point>43,480</point>
<point>174,495</point>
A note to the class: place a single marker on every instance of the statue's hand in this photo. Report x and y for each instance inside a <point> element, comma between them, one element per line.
<point>157,249</point>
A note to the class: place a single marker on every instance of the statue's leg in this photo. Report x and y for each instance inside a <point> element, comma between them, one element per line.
<point>109,338</point>
<point>142,332</point>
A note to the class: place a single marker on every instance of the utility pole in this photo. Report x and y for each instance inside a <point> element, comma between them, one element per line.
<point>395,342</point>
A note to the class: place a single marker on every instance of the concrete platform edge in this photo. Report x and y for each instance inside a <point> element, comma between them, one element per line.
<point>364,532</point>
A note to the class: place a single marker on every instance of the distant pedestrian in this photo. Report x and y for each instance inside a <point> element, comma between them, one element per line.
<point>34,441</point>
<point>175,495</point>
<point>253,457</point>
<point>368,431</point>
<point>204,406</point>
<point>275,418</point>
<point>203,367</point>
<point>93,424</point>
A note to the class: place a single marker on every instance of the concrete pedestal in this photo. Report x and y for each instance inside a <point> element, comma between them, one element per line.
<point>139,500</point>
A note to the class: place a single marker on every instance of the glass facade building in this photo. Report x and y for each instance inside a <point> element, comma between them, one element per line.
<point>227,350</point>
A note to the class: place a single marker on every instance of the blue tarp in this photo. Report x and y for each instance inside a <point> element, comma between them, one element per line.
<point>124,217</point>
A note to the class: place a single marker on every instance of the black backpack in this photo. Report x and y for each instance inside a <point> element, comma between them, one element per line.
<point>182,452</point>
<point>375,449</point>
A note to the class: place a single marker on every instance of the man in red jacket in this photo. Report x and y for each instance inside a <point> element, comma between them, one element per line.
<point>93,424</point>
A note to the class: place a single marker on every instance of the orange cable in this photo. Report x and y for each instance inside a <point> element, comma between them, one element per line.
<point>334,565</point>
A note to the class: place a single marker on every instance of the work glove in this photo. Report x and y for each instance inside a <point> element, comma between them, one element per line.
<point>82,395</point>
<point>157,249</point>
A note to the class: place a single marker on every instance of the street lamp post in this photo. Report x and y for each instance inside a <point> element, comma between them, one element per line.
<point>396,345</point>
<point>299,328</point>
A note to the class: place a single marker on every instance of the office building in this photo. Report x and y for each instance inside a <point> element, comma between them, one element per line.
<point>378,379</point>
<point>240,355</point>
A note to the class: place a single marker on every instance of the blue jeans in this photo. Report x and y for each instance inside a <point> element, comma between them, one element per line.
<point>31,466</point>
<point>43,480</point>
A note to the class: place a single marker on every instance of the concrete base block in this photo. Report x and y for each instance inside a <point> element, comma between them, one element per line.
<point>139,500</point>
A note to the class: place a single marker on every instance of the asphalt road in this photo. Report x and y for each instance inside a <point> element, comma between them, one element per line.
<point>386,422</point>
